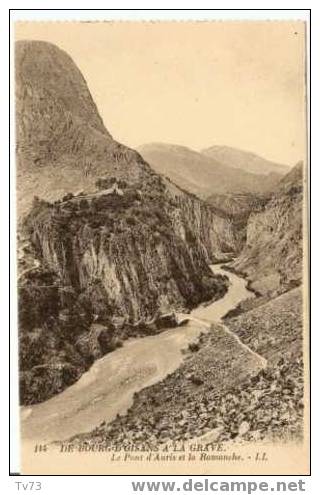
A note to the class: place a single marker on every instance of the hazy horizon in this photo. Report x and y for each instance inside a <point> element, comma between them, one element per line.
<point>236,84</point>
<point>220,145</point>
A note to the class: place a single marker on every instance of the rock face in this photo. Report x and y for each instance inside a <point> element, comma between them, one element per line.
<point>272,256</point>
<point>203,174</point>
<point>131,257</point>
<point>108,241</point>
<point>238,207</point>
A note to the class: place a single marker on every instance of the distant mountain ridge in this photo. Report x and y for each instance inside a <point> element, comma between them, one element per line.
<point>202,174</point>
<point>244,160</point>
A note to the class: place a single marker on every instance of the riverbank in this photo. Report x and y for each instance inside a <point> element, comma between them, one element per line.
<point>108,387</point>
<point>85,326</point>
<point>224,389</point>
<point>245,305</point>
<point>189,381</point>
<point>184,404</point>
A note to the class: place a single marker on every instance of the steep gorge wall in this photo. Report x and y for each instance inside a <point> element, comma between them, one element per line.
<point>143,261</point>
<point>213,229</point>
<point>273,254</point>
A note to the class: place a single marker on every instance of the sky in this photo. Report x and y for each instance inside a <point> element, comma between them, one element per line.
<point>196,84</point>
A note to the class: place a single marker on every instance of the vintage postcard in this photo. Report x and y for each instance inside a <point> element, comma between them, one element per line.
<point>162,247</point>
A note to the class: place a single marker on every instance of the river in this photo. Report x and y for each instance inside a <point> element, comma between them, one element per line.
<point>107,388</point>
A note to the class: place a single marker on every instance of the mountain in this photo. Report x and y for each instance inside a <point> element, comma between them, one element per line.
<point>62,143</point>
<point>272,256</point>
<point>244,160</point>
<point>202,174</point>
<point>106,245</point>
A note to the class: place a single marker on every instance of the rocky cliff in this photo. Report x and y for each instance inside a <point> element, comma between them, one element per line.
<point>131,257</point>
<point>239,207</point>
<point>119,261</point>
<point>272,256</point>
<point>107,241</point>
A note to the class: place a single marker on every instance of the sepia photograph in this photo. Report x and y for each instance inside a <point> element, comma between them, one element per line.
<point>162,247</point>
